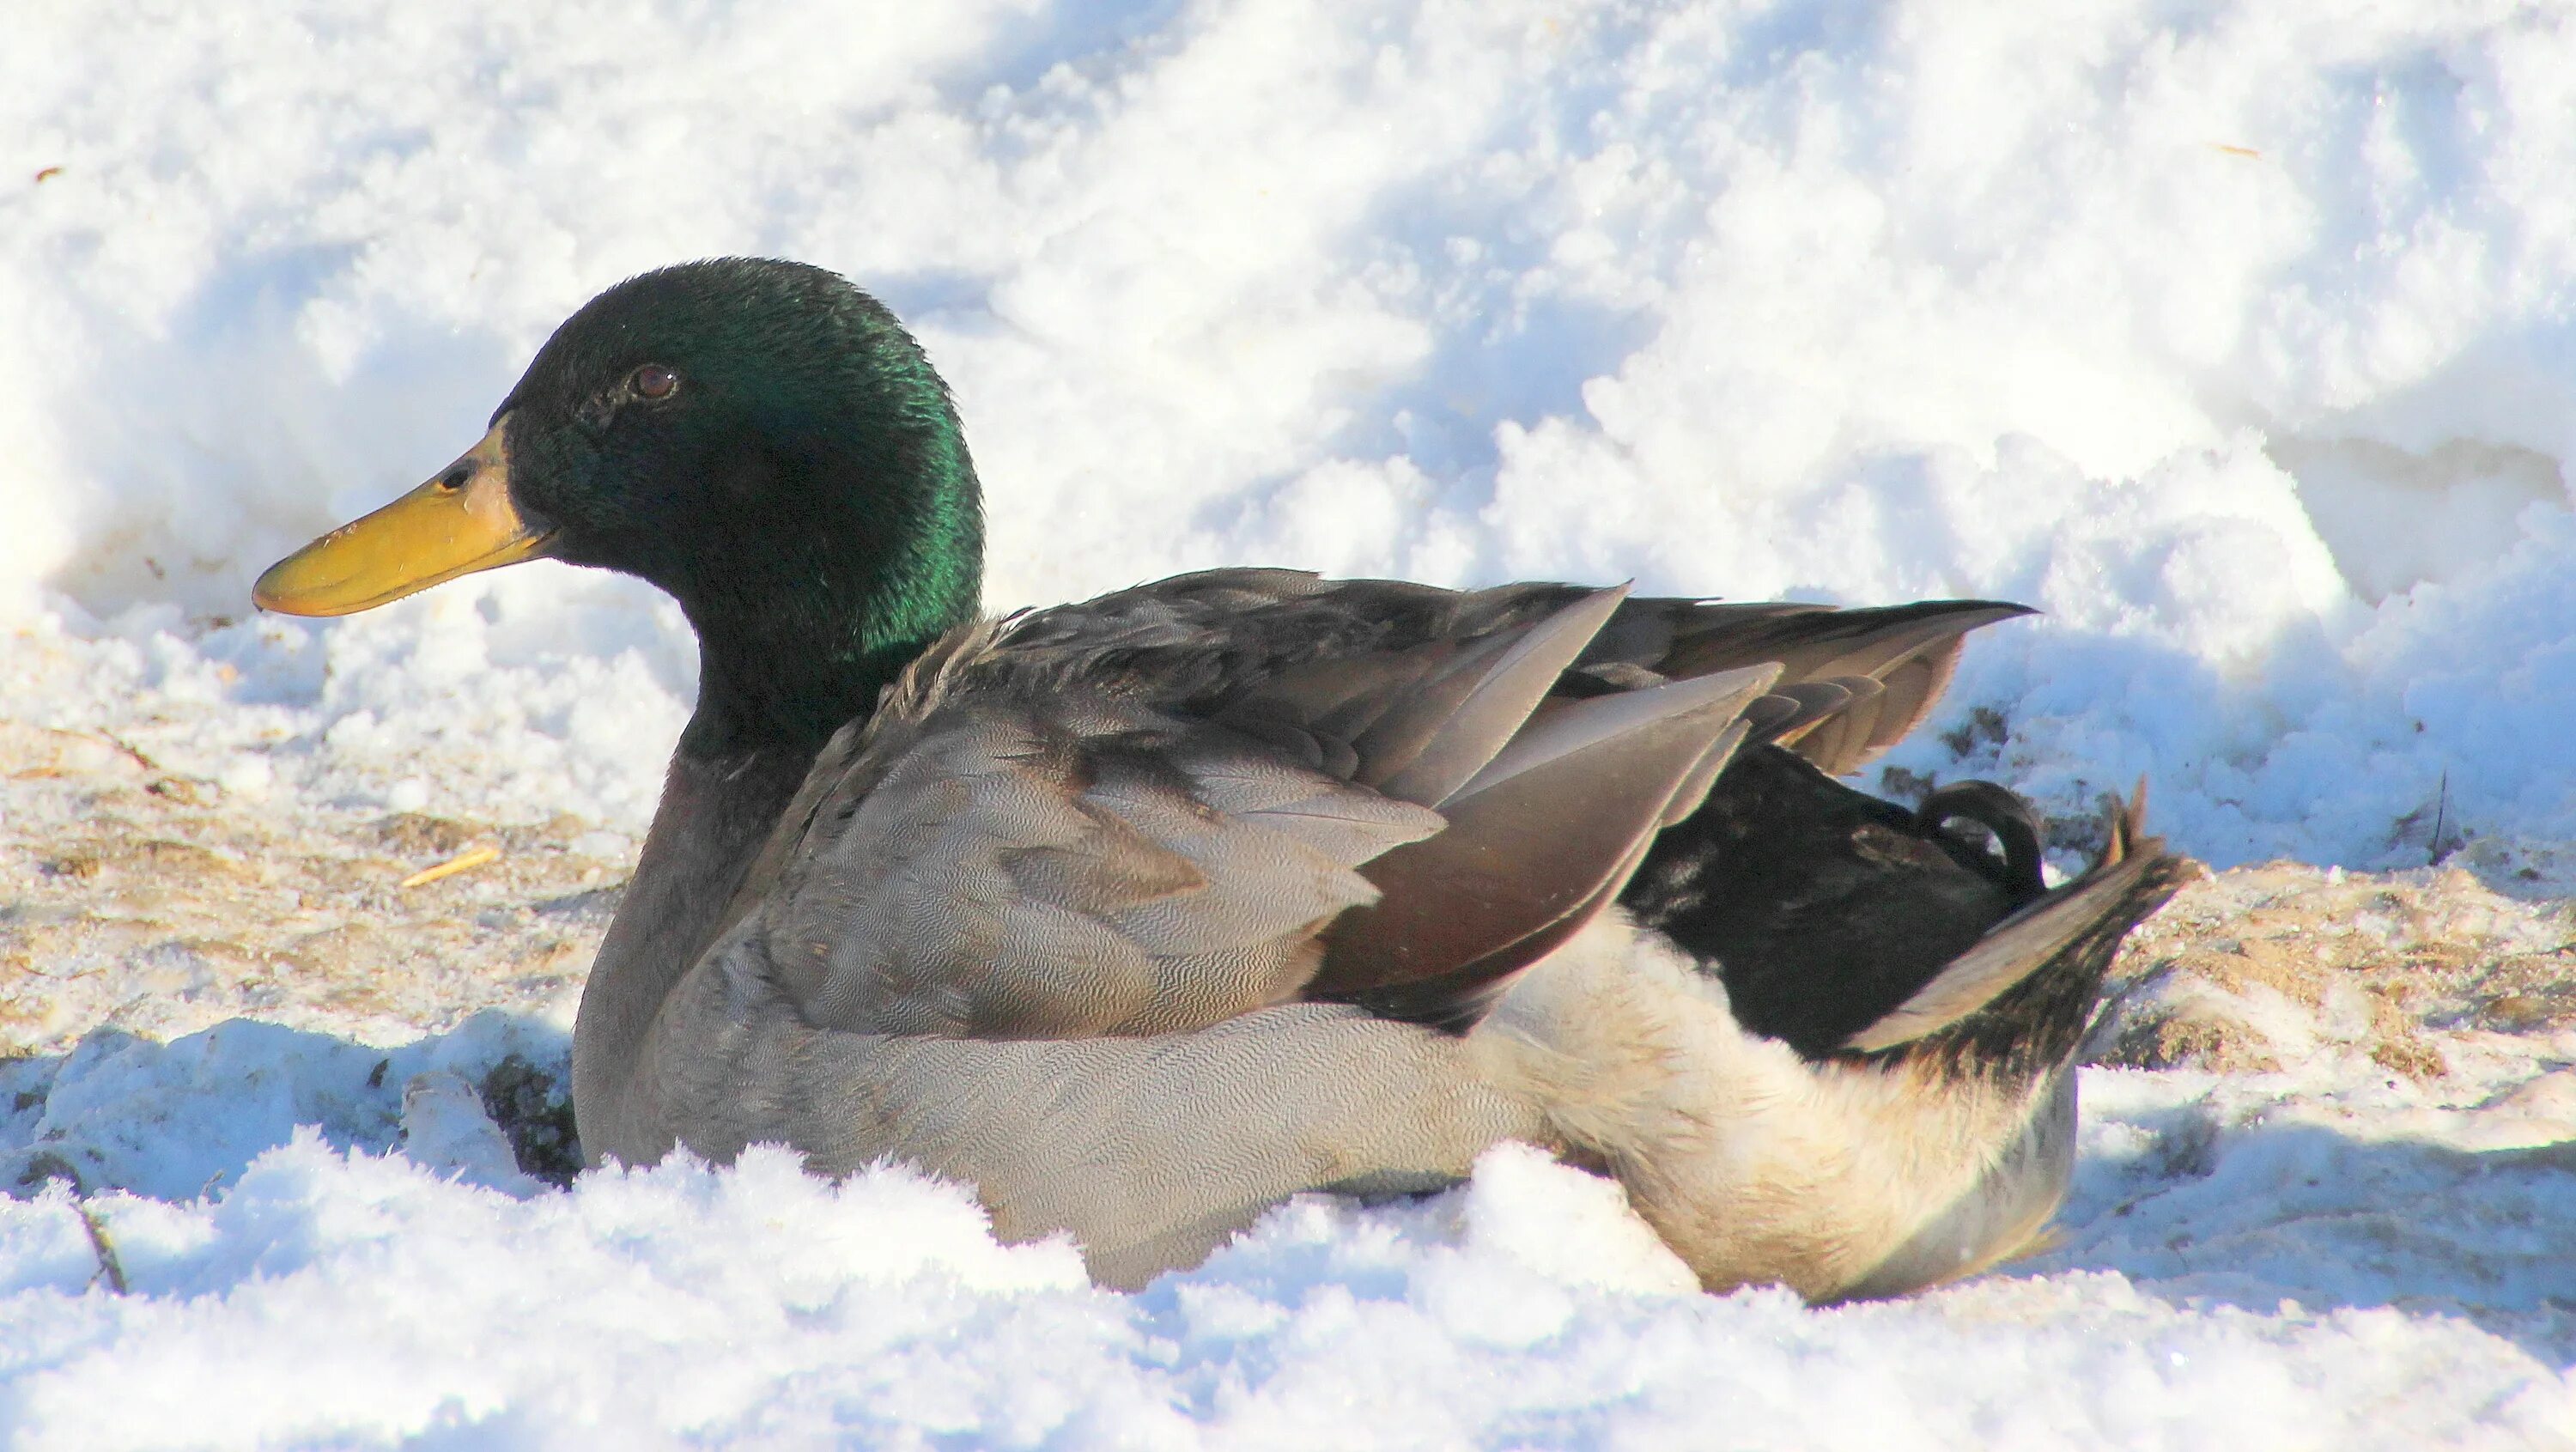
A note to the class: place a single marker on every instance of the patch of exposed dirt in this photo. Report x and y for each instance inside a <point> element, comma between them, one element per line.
<point>2257,966</point>
<point>139,900</point>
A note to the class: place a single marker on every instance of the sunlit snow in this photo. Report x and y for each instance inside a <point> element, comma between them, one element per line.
<point>2238,337</point>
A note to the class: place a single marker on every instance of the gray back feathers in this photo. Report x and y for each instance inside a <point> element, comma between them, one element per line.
<point>1070,867</point>
<point>1183,802</point>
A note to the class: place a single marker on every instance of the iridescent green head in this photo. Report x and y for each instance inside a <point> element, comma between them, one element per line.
<point>760,439</point>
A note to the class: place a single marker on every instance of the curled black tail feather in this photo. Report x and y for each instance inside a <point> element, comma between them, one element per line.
<point>2013,821</point>
<point>1820,907</point>
<point>1844,925</point>
<point>2017,1003</point>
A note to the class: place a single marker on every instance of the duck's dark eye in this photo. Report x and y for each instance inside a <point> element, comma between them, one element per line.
<point>654,381</point>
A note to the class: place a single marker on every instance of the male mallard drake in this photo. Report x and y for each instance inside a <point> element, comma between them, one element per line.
<point>1142,914</point>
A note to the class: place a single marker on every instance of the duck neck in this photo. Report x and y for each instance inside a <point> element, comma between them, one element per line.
<point>789,653</point>
<point>800,628</point>
<point>714,816</point>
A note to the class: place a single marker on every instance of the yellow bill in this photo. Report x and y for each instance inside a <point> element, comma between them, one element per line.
<point>458,523</point>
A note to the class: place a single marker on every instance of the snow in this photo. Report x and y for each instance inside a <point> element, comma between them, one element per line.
<point>2238,337</point>
<point>363,1299</point>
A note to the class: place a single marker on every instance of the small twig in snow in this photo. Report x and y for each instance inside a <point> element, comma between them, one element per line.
<point>2441,812</point>
<point>130,749</point>
<point>108,1265</point>
<point>461,862</point>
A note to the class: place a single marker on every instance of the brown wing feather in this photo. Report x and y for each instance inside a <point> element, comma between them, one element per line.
<point>1535,844</point>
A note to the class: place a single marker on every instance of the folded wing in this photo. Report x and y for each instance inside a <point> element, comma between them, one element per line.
<point>1191,800</point>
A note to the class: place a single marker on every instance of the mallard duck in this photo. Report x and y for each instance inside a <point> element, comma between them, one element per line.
<point>1142,914</point>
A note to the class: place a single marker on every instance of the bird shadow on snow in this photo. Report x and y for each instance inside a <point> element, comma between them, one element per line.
<point>2271,1218</point>
<point>2248,1216</point>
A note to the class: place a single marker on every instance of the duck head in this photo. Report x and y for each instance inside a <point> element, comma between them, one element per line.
<point>760,439</point>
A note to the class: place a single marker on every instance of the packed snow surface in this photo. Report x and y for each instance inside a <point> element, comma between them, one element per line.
<point>2240,338</point>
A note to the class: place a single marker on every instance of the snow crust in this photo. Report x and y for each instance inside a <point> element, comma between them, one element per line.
<point>2234,335</point>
